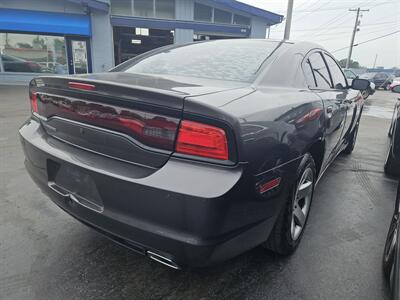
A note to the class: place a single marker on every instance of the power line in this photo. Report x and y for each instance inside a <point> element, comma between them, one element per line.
<point>367,41</point>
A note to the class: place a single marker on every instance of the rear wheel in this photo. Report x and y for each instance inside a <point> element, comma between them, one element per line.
<point>392,167</point>
<point>390,246</point>
<point>290,225</point>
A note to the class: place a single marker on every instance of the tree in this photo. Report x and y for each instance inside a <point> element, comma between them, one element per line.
<point>39,43</point>
<point>24,45</point>
<point>353,64</point>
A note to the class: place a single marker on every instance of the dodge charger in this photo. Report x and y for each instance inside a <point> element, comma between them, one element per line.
<point>192,154</point>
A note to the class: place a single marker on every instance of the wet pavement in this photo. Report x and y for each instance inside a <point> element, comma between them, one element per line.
<point>45,254</point>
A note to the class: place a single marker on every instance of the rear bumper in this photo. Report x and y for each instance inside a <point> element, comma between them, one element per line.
<point>192,214</point>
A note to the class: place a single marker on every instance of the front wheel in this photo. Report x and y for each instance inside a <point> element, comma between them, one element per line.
<point>290,225</point>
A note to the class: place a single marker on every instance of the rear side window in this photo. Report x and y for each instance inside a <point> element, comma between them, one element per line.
<point>234,60</point>
<point>320,71</point>
<point>339,81</point>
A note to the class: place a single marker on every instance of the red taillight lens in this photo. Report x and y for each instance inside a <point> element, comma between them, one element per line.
<point>202,140</point>
<point>34,102</point>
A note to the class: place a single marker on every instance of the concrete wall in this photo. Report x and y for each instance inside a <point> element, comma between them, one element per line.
<point>184,11</point>
<point>258,28</point>
<point>101,42</point>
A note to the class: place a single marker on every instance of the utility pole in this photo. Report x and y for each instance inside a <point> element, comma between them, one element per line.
<point>376,57</point>
<point>288,19</point>
<point>357,22</point>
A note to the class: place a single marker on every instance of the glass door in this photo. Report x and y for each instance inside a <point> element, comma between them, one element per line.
<point>79,59</point>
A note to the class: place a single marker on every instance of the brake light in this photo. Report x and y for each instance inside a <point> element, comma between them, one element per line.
<point>34,102</point>
<point>202,140</point>
<point>81,86</point>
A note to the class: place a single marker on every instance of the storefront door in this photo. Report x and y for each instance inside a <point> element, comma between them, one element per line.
<point>79,59</point>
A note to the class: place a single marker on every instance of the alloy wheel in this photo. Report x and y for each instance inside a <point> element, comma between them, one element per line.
<point>301,203</point>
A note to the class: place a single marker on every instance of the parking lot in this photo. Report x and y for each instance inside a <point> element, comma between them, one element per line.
<point>46,254</point>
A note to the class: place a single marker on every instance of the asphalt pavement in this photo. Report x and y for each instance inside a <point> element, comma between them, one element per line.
<point>46,254</point>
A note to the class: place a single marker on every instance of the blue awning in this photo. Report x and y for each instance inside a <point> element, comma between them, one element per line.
<point>16,20</point>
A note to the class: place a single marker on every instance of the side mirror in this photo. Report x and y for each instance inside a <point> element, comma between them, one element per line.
<point>360,84</point>
<point>396,89</point>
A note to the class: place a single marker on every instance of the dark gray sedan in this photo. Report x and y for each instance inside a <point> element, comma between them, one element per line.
<point>193,154</point>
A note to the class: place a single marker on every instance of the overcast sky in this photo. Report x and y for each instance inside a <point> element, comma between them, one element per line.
<point>330,24</point>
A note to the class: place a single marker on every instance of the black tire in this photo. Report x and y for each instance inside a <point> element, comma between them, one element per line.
<point>280,240</point>
<point>351,143</point>
<point>392,167</point>
<point>390,247</point>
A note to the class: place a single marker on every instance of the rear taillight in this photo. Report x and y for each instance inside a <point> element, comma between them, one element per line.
<point>34,102</point>
<point>202,140</point>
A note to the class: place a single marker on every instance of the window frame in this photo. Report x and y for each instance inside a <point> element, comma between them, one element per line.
<point>307,64</point>
<point>323,53</point>
<point>307,57</point>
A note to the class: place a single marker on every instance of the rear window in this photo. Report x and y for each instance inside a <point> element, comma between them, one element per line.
<point>233,60</point>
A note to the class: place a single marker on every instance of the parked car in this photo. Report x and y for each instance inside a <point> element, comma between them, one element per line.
<point>193,154</point>
<point>396,82</point>
<point>15,64</point>
<point>391,254</point>
<point>392,165</point>
<point>350,75</point>
<point>380,79</point>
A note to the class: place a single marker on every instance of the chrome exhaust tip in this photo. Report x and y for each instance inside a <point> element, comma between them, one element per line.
<point>163,260</point>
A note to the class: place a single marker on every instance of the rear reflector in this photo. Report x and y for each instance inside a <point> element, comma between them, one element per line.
<point>34,102</point>
<point>202,140</point>
<point>81,86</point>
<point>309,116</point>
<point>265,187</point>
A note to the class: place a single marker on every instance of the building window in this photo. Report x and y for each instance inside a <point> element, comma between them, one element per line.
<point>143,8</point>
<point>202,13</point>
<point>165,9</point>
<point>121,7</point>
<point>241,20</point>
<point>221,16</point>
<point>32,53</point>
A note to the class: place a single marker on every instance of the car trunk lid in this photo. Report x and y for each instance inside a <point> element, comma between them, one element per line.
<point>128,117</point>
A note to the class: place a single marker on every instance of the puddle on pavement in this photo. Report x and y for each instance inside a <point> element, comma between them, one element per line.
<point>378,112</point>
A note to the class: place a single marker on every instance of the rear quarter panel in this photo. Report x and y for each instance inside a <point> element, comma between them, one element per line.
<point>271,131</point>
